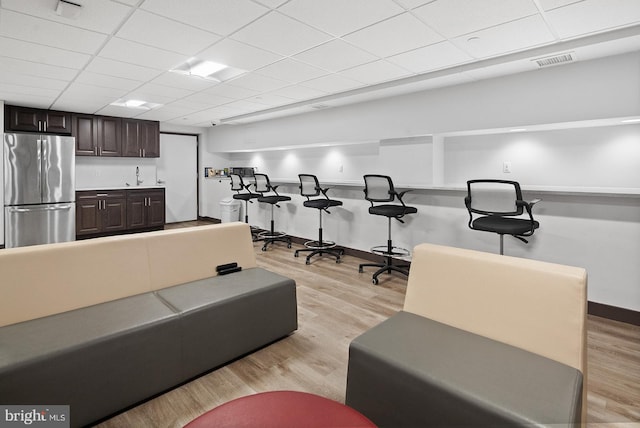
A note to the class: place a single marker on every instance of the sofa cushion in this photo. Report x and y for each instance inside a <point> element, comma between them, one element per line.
<point>207,247</point>
<point>42,280</point>
<point>413,371</point>
<point>227,316</point>
<point>99,359</point>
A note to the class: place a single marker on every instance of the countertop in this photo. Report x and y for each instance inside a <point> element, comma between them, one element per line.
<point>123,187</point>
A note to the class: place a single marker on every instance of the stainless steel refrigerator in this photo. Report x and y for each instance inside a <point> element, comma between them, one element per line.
<point>39,189</point>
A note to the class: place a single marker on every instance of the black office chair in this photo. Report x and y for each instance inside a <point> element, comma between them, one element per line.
<point>244,194</point>
<point>379,188</point>
<point>310,187</point>
<point>262,186</point>
<point>497,202</point>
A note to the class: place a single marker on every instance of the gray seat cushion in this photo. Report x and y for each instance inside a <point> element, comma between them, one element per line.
<point>99,359</point>
<point>224,317</point>
<point>412,371</point>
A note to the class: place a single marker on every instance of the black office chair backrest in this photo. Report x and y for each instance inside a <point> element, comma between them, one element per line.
<point>378,188</point>
<point>494,197</point>
<point>309,185</point>
<point>237,184</point>
<point>262,183</point>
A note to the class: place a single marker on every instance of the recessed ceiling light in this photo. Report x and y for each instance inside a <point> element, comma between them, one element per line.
<point>630,121</point>
<point>139,104</point>
<point>207,70</point>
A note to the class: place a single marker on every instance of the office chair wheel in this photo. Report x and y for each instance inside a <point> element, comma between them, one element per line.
<point>289,245</point>
<point>295,254</point>
<point>360,270</point>
<point>338,259</point>
<point>307,262</point>
<point>264,248</point>
<point>375,281</point>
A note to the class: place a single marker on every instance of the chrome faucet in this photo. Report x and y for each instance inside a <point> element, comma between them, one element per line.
<point>138,181</point>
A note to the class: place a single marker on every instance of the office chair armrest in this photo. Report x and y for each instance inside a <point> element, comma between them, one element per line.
<point>534,201</point>
<point>324,191</point>
<point>401,194</point>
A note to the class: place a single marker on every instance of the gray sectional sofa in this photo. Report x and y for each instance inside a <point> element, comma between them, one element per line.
<point>106,356</point>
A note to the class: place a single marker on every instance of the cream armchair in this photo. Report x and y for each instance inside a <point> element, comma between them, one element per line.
<point>486,338</point>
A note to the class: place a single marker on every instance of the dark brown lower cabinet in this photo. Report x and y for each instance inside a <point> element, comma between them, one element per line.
<point>99,212</point>
<point>145,209</point>
<point>109,212</point>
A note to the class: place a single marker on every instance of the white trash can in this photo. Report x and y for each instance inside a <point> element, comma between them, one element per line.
<point>229,210</point>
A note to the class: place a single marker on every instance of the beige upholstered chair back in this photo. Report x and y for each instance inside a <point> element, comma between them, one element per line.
<point>537,306</point>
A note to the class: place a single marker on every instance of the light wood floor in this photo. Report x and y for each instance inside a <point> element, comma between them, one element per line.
<point>336,304</point>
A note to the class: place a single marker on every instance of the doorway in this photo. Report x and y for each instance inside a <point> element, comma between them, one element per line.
<point>177,170</point>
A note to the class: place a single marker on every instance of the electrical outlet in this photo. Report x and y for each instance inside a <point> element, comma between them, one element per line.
<point>506,167</point>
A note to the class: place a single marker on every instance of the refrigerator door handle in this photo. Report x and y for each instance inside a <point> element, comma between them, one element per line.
<point>26,210</point>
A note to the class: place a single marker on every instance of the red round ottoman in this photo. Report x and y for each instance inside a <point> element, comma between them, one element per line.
<point>281,409</point>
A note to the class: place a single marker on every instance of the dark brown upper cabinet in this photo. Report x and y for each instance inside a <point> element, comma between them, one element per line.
<point>140,138</point>
<point>97,135</point>
<point>26,119</point>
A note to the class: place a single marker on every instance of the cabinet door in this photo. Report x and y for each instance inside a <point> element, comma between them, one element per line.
<point>130,132</point>
<point>150,139</point>
<point>109,135</point>
<point>85,133</point>
<point>56,122</point>
<point>156,209</point>
<point>114,214</point>
<point>88,214</point>
<point>136,211</point>
<point>22,119</point>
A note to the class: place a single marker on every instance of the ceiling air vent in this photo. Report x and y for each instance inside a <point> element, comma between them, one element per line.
<point>555,60</point>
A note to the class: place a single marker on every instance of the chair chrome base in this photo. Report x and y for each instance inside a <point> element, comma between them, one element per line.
<point>389,252</point>
<point>320,248</point>
<point>269,237</point>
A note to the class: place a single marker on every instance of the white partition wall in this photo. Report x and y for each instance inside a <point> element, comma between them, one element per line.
<point>587,173</point>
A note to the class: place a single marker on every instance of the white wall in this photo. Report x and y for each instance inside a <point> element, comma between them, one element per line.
<point>2,172</point>
<point>600,233</point>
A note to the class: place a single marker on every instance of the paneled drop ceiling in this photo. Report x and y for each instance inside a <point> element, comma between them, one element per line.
<point>296,55</point>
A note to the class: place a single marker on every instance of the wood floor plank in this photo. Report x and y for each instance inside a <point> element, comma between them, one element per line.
<point>335,304</point>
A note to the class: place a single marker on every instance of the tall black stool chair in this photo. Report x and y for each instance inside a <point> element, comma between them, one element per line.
<point>243,193</point>
<point>310,187</point>
<point>496,204</point>
<point>263,186</point>
<point>379,188</point>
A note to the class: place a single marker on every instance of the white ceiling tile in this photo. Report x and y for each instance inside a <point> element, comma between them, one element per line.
<point>36,30</point>
<point>407,32</point>
<point>80,104</point>
<point>130,2</point>
<point>234,92</point>
<point>339,17</point>
<point>14,88</point>
<point>42,54</point>
<point>375,72</point>
<point>101,16</point>
<point>272,3</point>
<point>27,100</point>
<point>142,55</point>
<point>244,106</point>
<point>165,91</point>
<point>103,80</point>
<point>258,83</point>
<point>300,93</point>
<point>454,18</point>
<point>335,55</point>
<point>149,29</point>
<point>218,16</point>
<point>517,35</point>
<point>120,111</point>
<point>332,83</point>
<point>553,4</point>
<point>238,55</point>
<point>271,100</point>
<point>412,4</point>
<point>280,34</point>
<point>12,78</point>
<point>121,69</point>
<point>292,71</point>
<point>36,69</point>
<point>433,57</point>
<point>201,101</point>
<point>163,114</point>
<point>89,91</point>
<point>592,16</point>
<point>178,80</point>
